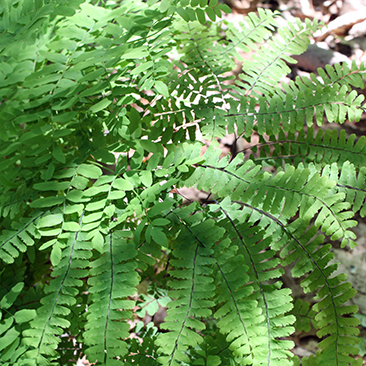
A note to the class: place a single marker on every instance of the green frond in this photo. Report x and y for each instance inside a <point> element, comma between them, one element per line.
<point>268,65</point>
<point>304,315</point>
<point>285,193</point>
<point>142,350</point>
<point>340,73</point>
<point>311,195</point>
<point>192,289</point>
<point>113,279</point>
<point>332,154</point>
<point>15,242</point>
<point>306,147</point>
<point>334,102</point>
<point>331,291</point>
<point>43,336</point>
<point>255,29</point>
<point>288,109</point>
<point>214,350</point>
<point>249,313</point>
<point>351,184</point>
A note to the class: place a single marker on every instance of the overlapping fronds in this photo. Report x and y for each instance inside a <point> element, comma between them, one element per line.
<point>311,196</point>
<point>284,194</point>
<point>342,158</point>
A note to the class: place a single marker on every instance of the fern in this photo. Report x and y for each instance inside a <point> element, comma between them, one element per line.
<point>112,275</point>
<point>102,106</point>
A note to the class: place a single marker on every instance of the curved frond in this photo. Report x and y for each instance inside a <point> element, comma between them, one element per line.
<point>298,191</point>
<point>331,293</point>
<point>249,312</point>
<point>268,65</point>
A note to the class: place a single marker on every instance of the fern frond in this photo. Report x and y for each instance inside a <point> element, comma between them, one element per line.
<point>193,290</point>
<point>10,329</point>
<point>334,102</point>
<point>268,65</point>
<point>214,350</point>
<point>43,336</point>
<point>284,194</point>
<point>346,157</point>
<point>340,73</point>
<point>113,279</point>
<point>99,114</point>
<point>353,185</point>
<point>254,30</point>
<point>304,315</point>
<point>16,241</point>
<point>306,147</point>
<point>244,335</point>
<point>143,350</point>
<point>309,194</point>
<point>250,299</point>
<point>331,291</point>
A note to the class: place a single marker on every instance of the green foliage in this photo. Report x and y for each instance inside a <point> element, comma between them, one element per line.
<point>101,108</point>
